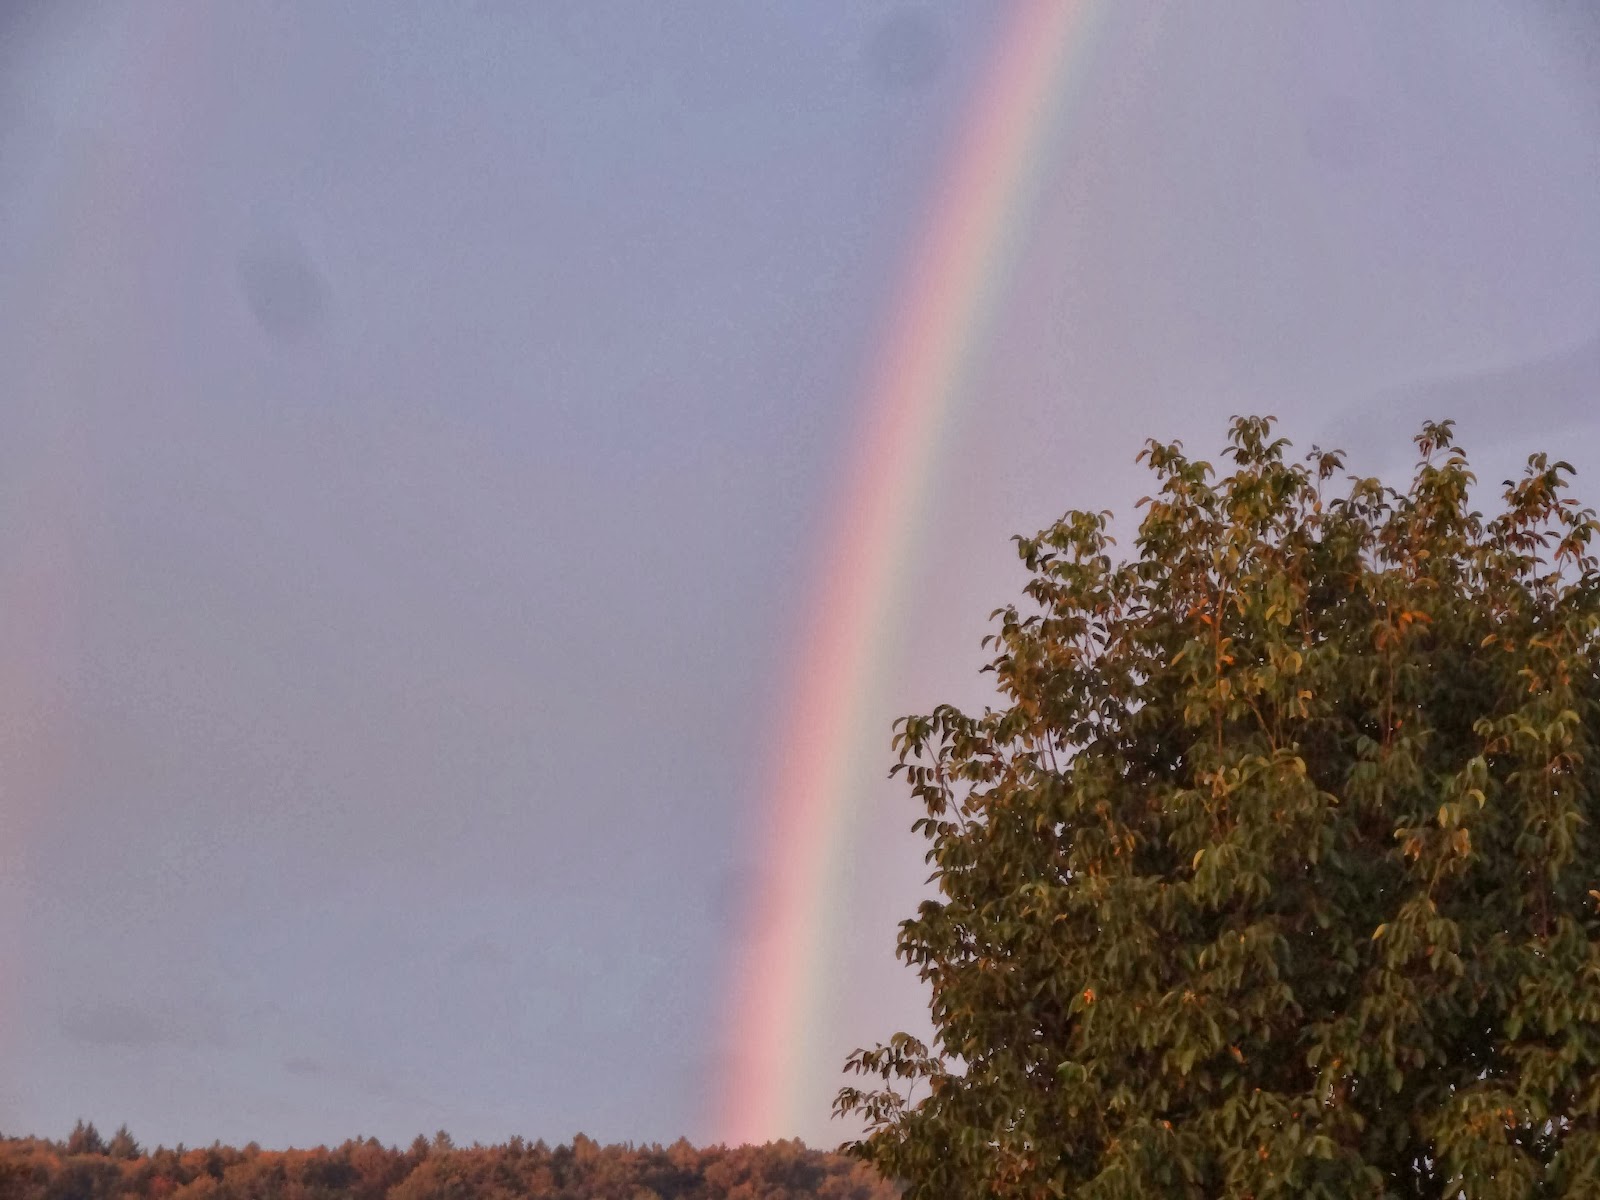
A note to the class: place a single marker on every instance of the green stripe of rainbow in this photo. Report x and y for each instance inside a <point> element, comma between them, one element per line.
<point>975,225</point>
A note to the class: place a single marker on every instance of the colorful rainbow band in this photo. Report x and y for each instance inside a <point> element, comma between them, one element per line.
<point>972,236</point>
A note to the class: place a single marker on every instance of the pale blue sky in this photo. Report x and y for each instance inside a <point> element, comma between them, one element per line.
<point>416,422</point>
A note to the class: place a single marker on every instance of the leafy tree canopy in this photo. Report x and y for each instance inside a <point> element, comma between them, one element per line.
<point>1276,872</point>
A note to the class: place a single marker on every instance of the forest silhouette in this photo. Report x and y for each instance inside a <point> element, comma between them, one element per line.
<point>88,1166</point>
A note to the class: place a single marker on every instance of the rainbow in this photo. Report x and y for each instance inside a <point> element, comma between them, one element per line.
<point>973,233</point>
<point>86,195</point>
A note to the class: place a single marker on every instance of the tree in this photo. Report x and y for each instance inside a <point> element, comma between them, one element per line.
<point>85,1139</point>
<point>35,1169</point>
<point>122,1144</point>
<point>1274,872</point>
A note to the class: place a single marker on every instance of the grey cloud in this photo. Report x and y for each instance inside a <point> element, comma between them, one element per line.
<point>116,1025</point>
<point>283,288</point>
<point>137,1025</point>
<point>1552,393</point>
<point>124,1024</point>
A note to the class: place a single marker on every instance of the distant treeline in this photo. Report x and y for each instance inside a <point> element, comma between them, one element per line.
<point>87,1166</point>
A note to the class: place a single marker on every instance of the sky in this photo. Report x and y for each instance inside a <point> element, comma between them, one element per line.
<point>421,429</point>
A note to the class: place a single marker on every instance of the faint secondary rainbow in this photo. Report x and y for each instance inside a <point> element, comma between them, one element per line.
<point>89,194</point>
<point>938,329</point>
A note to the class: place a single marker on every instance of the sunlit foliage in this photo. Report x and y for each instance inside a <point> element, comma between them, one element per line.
<point>86,1168</point>
<point>1275,873</point>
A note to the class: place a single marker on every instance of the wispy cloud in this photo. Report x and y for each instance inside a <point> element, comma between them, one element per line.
<point>139,1026</point>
